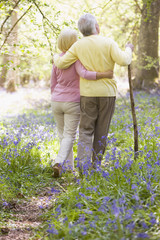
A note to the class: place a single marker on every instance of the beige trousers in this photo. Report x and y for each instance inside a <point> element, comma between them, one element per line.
<point>66,115</point>
<point>95,117</point>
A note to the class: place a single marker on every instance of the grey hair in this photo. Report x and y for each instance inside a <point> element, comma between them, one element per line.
<point>86,24</point>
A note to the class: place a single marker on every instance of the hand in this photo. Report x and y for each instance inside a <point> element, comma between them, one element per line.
<point>109,74</point>
<point>130,45</point>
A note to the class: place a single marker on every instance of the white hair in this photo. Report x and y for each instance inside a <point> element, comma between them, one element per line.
<point>86,24</point>
<point>66,39</point>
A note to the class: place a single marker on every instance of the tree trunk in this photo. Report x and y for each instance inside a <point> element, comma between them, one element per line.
<point>13,40</point>
<point>9,73</point>
<point>147,62</point>
<point>4,71</point>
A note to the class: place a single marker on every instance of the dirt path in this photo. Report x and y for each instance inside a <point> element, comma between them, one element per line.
<point>25,215</point>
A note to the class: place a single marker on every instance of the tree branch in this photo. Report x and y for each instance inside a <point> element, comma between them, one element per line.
<point>137,4</point>
<point>44,17</point>
<point>50,45</point>
<point>5,40</point>
<point>9,14</point>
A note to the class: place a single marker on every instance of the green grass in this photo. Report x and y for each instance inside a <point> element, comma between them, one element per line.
<point>118,201</point>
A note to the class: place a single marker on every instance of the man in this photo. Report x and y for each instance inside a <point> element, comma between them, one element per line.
<point>97,100</point>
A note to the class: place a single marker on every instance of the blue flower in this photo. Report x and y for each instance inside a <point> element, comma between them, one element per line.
<point>135,197</point>
<point>108,222</point>
<point>133,186</point>
<point>105,174</point>
<point>130,226</point>
<point>58,210</point>
<point>122,200</point>
<point>106,199</point>
<point>53,190</point>
<point>92,224</point>
<point>144,225</point>
<point>81,218</point>
<point>52,229</point>
<point>129,214</point>
<point>84,232</point>
<point>65,219</point>
<point>79,205</point>
<point>115,209</point>
<point>153,221</point>
<point>142,235</point>
<point>88,211</point>
<point>5,204</point>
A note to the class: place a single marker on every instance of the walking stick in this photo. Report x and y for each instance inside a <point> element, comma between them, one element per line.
<point>133,114</point>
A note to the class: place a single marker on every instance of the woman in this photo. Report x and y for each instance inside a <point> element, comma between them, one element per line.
<point>65,97</point>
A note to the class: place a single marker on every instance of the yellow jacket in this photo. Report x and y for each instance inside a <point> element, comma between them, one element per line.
<point>98,54</point>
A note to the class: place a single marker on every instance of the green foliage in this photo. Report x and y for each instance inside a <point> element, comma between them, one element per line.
<point>39,28</point>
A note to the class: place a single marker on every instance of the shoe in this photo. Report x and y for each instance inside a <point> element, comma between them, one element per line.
<point>57,170</point>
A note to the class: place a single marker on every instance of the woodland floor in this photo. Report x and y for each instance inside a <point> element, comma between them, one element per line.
<point>37,97</point>
<point>26,216</point>
<point>26,212</point>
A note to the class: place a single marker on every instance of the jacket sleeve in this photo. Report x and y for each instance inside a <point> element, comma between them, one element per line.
<point>53,78</point>
<point>83,72</point>
<point>120,57</point>
<point>67,59</point>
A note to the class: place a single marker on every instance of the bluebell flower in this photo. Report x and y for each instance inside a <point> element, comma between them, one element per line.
<point>102,208</point>
<point>130,226</point>
<point>53,190</point>
<point>105,174</point>
<point>79,205</point>
<point>133,186</point>
<point>153,221</point>
<point>122,200</point>
<point>106,199</point>
<point>142,235</point>
<point>135,196</point>
<point>87,211</point>
<point>153,197</point>
<point>40,206</point>
<point>84,231</point>
<point>5,203</point>
<point>52,231</point>
<point>81,218</point>
<point>144,225</point>
<point>58,210</point>
<point>108,222</point>
<point>129,214</point>
<point>115,209</point>
<point>92,224</point>
<point>65,219</point>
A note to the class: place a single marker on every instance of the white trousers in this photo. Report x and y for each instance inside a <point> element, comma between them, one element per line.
<point>66,115</point>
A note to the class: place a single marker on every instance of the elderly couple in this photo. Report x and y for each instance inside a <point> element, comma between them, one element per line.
<point>90,99</point>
